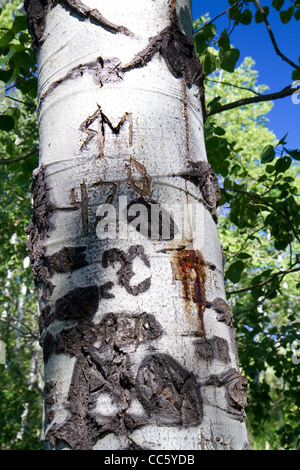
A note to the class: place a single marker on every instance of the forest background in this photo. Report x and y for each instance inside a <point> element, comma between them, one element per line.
<point>258,222</point>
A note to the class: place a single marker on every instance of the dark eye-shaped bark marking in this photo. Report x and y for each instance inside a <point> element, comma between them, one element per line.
<point>105,369</point>
<point>125,273</point>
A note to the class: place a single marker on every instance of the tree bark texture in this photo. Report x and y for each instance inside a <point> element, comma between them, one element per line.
<point>138,341</point>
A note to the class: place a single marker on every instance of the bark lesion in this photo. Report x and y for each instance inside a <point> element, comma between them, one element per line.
<point>37,11</point>
<point>44,266</point>
<point>236,388</point>
<point>202,175</point>
<point>171,43</point>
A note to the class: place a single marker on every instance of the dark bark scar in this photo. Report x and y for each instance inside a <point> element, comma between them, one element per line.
<point>202,175</point>
<point>37,11</point>
<point>236,387</point>
<point>83,205</point>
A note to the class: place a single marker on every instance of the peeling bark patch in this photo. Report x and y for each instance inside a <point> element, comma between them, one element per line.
<point>168,392</point>
<point>102,71</point>
<point>36,16</point>
<point>68,259</point>
<point>201,174</point>
<point>235,389</point>
<point>82,302</point>
<point>177,50</point>
<point>121,330</point>
<point>212,349</point>
<point>103,119</point>
<point>82,204</point>
<point>101,371</point>
<point>189,268</point>
<point>49,400</point>
<point>37,11</point>
<point>37,231</point>
<point>224,312</point>
<point>95,16</point>
<point>125,273</point>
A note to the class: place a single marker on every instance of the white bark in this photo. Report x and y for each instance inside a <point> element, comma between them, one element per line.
<point>160,132</point>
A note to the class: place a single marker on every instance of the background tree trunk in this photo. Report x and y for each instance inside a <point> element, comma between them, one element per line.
<point>138,341</point>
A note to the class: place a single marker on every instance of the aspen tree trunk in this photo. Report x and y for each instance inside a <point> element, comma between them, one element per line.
<point>137,336</point>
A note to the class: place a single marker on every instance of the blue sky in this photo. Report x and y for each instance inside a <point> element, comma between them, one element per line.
<point>253,40</point>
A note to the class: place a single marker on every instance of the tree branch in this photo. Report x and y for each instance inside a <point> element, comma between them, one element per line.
<point>17,159</point>
<point>261,284</point>
<point>218,16</point>
<point>22,102</point>
<point>235,86</point>
<point>278,52</point>
<point>287,91</point>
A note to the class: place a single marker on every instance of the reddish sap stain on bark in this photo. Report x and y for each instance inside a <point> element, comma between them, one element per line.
<point>190,268</point>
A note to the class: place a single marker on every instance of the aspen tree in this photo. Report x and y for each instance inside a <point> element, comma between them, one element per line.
<point>138,341</point>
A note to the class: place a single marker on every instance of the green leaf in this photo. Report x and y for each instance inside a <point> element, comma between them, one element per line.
<point>259,18</point>
<point>209,63</point>
<point>215,103</point>
<point>219,131</point>
<point>22,62</point>
<point>286,15</point>
<point>234,271</point>
<point>203,37</point>
<point>246,17</point>
<point>224,41</point>
<point>282,141</point>
<point>19,24</point>
<point>7,123</point>
<point>229,60</point>
<point>5,75</point>
<point>293,153</point>
<point>268,154</point>
<point>283,164</point>
<point>278,4</point>
<point>7,38</point>
<point>244,255</point>
<point>296,75</point>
